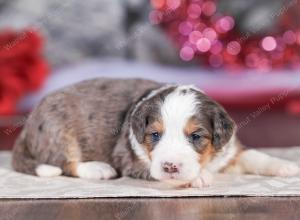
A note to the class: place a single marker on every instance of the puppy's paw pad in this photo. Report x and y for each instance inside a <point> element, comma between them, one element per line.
<point>95,170</point>
<point>288,169</point>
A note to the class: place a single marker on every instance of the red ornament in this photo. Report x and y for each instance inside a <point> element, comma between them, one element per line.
<point>203,33</point>
<point>22,67</point>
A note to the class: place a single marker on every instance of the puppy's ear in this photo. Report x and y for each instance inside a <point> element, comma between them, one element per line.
<point>223,126</point>
<point>139,122</point>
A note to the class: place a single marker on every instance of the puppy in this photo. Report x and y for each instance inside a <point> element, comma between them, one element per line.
<point>107,128</point>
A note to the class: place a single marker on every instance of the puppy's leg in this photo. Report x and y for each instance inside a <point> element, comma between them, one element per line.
<point>45,170</point>
<point>90,170</point>
<point>255,162</point>
<point>204,180</point>
<point>74,165</point>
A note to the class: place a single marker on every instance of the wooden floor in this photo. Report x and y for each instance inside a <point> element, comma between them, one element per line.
<point>231,208</point>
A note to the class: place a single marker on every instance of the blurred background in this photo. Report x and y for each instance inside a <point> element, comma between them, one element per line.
<point>243,53</point>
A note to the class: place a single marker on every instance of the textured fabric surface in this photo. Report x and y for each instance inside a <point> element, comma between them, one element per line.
<point>15,185</point>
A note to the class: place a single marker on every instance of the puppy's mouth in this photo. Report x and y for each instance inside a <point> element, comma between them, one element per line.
<point>174,178</point>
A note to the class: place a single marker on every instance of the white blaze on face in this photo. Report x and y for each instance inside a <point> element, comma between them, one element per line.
<point>174,146</point>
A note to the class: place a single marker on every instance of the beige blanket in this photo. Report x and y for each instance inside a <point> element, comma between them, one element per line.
<point>16,185</point>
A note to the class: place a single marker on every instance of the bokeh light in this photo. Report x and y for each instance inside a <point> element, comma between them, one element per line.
<point>203,33</point>
<point>209,8</point>
<point>225,24</point>
<point>210,34</point>
<point>203,44</point>
<point>187,53</point>
<point>185,28</point>
<point>289,37</point>
<point>158,4</point>
<point>217,47</point>
<point>233,48</point>
<point>173,4</point>
<point>194,11</point>
<point>195,36</point>
<point>269,43</point>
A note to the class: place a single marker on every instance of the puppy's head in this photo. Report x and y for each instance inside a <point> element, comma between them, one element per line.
<point>178,130</point>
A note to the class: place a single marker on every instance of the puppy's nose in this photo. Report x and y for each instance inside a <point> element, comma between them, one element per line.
<point>170,167</point>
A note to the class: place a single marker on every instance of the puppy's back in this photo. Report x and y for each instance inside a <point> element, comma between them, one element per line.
<point>80,122</point>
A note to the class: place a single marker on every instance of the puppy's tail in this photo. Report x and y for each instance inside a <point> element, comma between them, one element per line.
<point>24,162</point>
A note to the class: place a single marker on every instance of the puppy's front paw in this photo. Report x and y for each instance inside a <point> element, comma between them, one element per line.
<point>95,170</point>
<point>286,169</point>
<point>203,180</point>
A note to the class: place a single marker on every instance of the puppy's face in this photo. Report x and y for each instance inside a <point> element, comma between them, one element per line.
<point>178,130</point>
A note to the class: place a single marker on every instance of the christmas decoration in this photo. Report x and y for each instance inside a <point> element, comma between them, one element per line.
<point>22,67</point>
<point>204,33</point>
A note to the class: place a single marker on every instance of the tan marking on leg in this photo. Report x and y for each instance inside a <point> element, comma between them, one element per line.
<point>72,154</point>
<point>70,168</point>
<point>73,150</point>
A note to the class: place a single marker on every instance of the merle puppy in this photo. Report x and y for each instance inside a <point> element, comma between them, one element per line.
<point>106,128</point>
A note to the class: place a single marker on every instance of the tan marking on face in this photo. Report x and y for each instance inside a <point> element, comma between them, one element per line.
<point>191,126</point>
<point>208,151</point>
<point>156,126</point>
<point>206,154</point>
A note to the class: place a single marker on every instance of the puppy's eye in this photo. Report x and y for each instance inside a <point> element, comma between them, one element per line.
<point>155,136</point>
<point>195,137</point>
